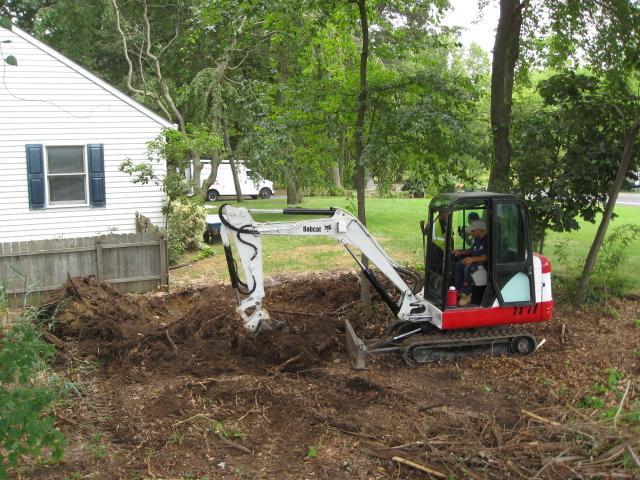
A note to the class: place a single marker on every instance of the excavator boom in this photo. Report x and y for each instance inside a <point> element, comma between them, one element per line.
<point>239,225</point>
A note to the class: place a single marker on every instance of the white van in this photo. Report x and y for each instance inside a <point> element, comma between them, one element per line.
<point>251,183</point>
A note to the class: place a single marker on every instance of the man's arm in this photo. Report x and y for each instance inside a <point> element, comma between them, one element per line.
<point>478,259</point>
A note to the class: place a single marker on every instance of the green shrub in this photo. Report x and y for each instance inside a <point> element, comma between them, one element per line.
<point>205,252</point>
<point>606,280</point>
<point>26,391</point>
<point>187,223</point>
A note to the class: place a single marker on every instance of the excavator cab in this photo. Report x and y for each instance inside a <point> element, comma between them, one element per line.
<point>507,279</point>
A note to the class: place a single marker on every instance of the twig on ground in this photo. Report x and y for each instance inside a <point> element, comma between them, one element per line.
<point>624,397</point>
<point>278,368</point>
<point>634,455</point>
<point>170,340</point>
<point>540,419</point>
<point>148,462</point>
<point>302,314</point>
<point>417,466</point>
<point>176,267</point>
<point>191,418</point>
<point>51,338</point>
<point>233,445</point>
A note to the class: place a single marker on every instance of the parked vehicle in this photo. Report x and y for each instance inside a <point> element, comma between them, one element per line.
<point>633,179</point>
<point>251,183</point>
<point>213,228</point>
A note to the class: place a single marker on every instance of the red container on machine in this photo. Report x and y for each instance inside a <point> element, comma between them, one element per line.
<point>452,297</point>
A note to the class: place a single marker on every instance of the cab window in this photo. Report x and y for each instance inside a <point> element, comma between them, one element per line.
<point>510,235</point>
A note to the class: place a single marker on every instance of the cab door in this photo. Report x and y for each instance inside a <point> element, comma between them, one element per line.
<point>512,256</point>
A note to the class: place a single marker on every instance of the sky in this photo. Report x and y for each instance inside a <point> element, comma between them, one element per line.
<point>477,28</point>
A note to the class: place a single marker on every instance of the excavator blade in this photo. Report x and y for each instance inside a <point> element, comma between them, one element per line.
<point>355,346</point>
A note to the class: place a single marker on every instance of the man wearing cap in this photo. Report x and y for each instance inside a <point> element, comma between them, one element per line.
<point>469,260</point>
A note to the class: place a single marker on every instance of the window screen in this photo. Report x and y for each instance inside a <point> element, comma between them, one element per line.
<point>66,175</point>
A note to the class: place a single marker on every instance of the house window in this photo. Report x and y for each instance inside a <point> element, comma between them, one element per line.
<point>66,175</point>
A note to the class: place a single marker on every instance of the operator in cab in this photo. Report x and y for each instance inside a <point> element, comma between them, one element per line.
<point>467,261</point>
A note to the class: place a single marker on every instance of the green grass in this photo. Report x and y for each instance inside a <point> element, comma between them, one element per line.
<point>395,224</point>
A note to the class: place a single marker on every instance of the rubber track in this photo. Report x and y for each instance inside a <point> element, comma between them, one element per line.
<point>452,340</point>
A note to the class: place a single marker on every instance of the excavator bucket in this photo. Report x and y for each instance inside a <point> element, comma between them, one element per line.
<point>355,346</point>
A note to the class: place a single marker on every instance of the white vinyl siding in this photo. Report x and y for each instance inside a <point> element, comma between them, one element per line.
<point>48,100</point>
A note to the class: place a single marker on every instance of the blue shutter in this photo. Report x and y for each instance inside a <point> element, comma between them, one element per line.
<point>35,176</point>
<point>95,154</point>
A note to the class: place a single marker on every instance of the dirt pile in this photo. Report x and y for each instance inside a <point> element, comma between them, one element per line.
<point>195,329</point>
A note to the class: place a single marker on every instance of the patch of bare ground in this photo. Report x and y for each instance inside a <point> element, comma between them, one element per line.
<point>172,387</point>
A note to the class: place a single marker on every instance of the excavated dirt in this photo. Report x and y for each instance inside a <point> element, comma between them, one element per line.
<point>171,386</point>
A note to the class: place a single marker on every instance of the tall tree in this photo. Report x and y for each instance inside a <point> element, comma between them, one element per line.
<point>505,55</point>
<point>361,176</point>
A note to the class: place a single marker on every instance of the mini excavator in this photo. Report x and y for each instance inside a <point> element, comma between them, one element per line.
<point>513,288</point>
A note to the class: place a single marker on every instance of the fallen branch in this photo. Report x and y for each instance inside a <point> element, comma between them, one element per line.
<point>380,451</point>
<point>417,466</point>
<point>170,340</point>
<point>303,314</point>
<point>624,397</point>
<point>634,455</point>
<point>51,338</point>
<point>191,418</point>
<point>233,445</point>
<point>176,267</point>
<point>279,368</point>
<point>540,419</point>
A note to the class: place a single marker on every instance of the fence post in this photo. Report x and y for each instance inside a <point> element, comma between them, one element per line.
<point>164,269</point>
<point>99,269</point>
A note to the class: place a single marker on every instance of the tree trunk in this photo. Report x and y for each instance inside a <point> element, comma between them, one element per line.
<point>196,168</point>
<point>365,293</point>
<point>505,55</point>
<point>623,168</point>
<point>335,174</point>
<point>294,197</point>
<point>361,113</point>
<point>232,162</point>
<point>236,180</point>
<point>207,182</point>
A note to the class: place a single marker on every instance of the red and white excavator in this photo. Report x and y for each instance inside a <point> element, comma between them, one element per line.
<point>511,289</point>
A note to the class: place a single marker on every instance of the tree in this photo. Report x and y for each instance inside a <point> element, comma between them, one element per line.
<point>566,150</point>
<point>505,56</point>
<point>608,34</point>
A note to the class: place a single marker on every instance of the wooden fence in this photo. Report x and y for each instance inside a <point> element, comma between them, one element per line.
<point>135,262</point>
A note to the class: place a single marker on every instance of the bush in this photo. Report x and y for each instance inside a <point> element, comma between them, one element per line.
<point>606,280</point>
<point>26,391</point>
<point>187,223</point>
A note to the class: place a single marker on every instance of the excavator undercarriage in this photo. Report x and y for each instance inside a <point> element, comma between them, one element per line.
<point>417,346</point>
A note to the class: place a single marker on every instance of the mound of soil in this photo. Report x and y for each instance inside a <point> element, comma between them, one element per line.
<point>190,330</point>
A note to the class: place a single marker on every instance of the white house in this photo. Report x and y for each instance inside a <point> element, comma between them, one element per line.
<point>63,134</point>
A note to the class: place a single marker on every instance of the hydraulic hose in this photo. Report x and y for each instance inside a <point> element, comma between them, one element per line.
<point>231,263</point>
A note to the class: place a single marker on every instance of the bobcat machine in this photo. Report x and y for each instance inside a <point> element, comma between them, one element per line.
<point>513,289</point>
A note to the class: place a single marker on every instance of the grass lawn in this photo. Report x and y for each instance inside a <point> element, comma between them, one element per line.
<point>395,224</point>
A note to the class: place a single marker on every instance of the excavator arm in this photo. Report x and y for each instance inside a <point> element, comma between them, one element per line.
<point>240,227</point>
